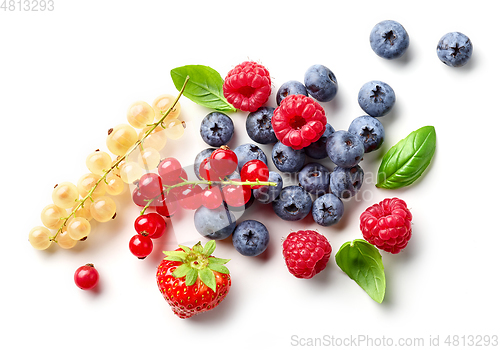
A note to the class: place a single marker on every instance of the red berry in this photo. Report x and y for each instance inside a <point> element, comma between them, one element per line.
<point>299,121</point>
<point>190,197</point>
<point>183,176</point>
<point>247,86</point>
<point>150,185</point>
<point>387,225</point>
<point>138,198</point>
<point>211,198</point>
<point>167,206</point>
<point>236,195</point>
<point>254,170</point>
<point>208,171</point>
<point>170,169</point>
<point>86,277</point>
<point>151,225</point>
<point>224,160</point>
<point>306,253</point>
<point>141,246</point>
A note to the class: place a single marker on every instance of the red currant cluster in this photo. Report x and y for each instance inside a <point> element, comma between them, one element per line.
<point>170,189</point>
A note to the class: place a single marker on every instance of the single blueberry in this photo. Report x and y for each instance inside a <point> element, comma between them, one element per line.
<point>327,210</point>
<point>370,130</point>
<point>389,39</point>
<point>293,203</point>
<point>259,127</point>
<point>216,223</point>
<point>317,150</point>
<point>345,149</point>
<point>248,152</point>
<point>320,83</point>
<point>216,129</point>
<point>315,178</point>
<point>376,98</point>
<point>288,160</point>
<point>200,157</point>
<point>454,49</point>
<point>292,87</point>
<point>346,182</point>
<point>267,194</point>
<point>250,238</point>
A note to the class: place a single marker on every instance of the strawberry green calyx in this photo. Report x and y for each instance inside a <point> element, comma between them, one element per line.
<point>197,262</point>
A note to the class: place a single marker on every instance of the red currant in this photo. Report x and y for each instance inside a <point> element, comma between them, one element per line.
<point>211,198</point>
<point>86,277</point>
<point>224,160</point>
<point>190,197</point>
<point>208,171</point>
<point>170,169</point>
<point>152,225</point>
<point>141,246</point>
<point>236,195</point>
<point>138,198</point>
<point>150,185</point>
<point>167,206</point>
<point>183,176</point>
<point>254,170</point>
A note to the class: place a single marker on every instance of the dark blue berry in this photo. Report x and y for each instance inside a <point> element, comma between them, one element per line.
<point>376,98</point>
<point>315,179</point>
<point>345,149</point>
<point>248,152</point>
<point>288,160</point>
<point>250,238</point>
<point>293,203</point>
<point>320,83</point>
<point>327,210</point>
<point>200,157</point>
<point>370,130</point>
<point>267,194</point>
<point>292,87</point>
<point>216,129</point>
<point>389,39</point>
<point>216,223</point>
<point>346,182</point>
<point>259,127</point>
<point>317,150</point>
<point>454,49</point>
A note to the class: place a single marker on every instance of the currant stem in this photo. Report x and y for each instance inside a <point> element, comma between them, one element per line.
<point>119,160</point>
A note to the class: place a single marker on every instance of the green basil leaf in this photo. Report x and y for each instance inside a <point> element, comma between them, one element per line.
<point>362,262</point>
<point>407,160</point>
<point>204,86</point>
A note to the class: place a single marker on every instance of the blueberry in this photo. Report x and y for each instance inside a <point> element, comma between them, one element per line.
<point>216,129</point>
<point>216,223</point>
<point>321,83</point>
<point>259,126</point>
<point>248,152</point>
<point>376,98</point>
<point>267,194</point>
<point>346,182</point>
<point>200,157</point>
<point>317,150</point>
<point>327,210</point>
<point>288,160</point>
<point>250,238</point>
<point>370,130</point>
<point>292,87</point>
<point>315,178</point>
<point>389,39</point>
<point>293,203</point>
<point>454,49</point>
<point>345,149</point>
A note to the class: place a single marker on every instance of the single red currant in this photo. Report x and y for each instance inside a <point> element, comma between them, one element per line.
<point>150,185</point>
<point>211,198</point>
<point>183,176</point>
<point>86,277</point>
<point>224,160</point>
<point>190,197</point>
<point>167,206</point>
<point>208,171</point>
<point>141,246</point>
<point>138,198</point>
<point>152,225</point>
<point>170,169</point>
<point>237,195</point>
<point>254,170</point>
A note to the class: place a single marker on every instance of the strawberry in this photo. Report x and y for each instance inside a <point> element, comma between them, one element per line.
<point>192,280</point>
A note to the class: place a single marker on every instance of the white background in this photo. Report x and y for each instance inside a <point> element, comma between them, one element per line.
<point>69,75</point>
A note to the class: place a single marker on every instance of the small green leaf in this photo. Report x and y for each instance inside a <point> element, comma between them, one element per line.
<point>204,86</point>
<point>405,162</point>
<point>209,248</point>
<point>173,258</point>
<point>176,253</point>
<point>362,262</point>
<point>218,268</point>
<point>182,270</point>
<point>207,276</point>
<point>198,248</point>
<point>186,249</point>
<point>214,260</point>
<point>191,277</point>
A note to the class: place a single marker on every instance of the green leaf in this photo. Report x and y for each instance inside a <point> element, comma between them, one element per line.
<point>362,262</point>
<point>173,258</point>
<point>198,248</point>
<point>207,276</point>
<point>405,162</point>
<point>209,248</point>
<point>204,86</point>
<point>175,254</point>
<point>218,268</point>
<point>214,260</point>
<point>191,277</point>
<point>186,249</point>
<point>182,270</point>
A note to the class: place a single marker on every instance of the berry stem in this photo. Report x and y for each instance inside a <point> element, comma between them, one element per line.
<point>121,159</point>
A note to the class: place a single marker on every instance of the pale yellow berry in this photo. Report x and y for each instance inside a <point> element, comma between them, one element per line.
<point>84,210</point>
<point>174,129</point>
<point>130,172</point>
<point>98,162</point>
<point>157,139</point>
<point>149,158</point>
<point>78,228</point>
<point>162,103</point>
<point>140,114</point>
<point>53,216</point>
<point>64,240</point>
<point>121,138</point>
<point>103,209</point>
<point>114,185</point>
<point>65,195</point>
<point>39,238</point>
<point>87,182</point>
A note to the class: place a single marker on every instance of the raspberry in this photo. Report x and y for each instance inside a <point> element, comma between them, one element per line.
<point>247,86</point>
<point>387,225</point>
<point>306,253</point>
<point>299,121</point>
